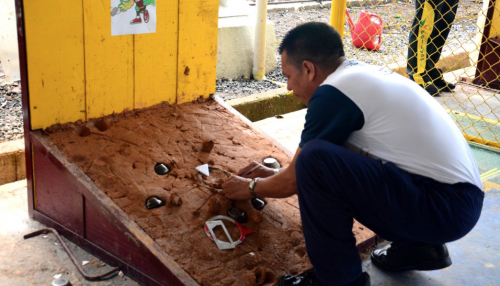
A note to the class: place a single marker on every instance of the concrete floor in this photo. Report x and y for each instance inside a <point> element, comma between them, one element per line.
<point>476,257</point>
<point>37,260</point>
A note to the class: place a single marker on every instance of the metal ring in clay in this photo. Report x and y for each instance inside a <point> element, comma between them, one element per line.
<point>215,221</point>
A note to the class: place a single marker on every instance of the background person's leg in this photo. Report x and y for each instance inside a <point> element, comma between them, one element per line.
<point>418,56</point>
<point>446,11</point>
<point>335,185</point>
<point>413,44</point>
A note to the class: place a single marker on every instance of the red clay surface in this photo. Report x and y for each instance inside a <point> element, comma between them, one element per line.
<point>119,154</point>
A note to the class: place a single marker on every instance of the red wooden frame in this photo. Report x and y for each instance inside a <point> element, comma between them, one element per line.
<point>488,65</point>
<point>67,200</point>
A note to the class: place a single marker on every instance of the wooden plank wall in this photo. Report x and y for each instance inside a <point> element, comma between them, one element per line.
<point>109,62</point>
<point>78,71</point>
<point>197,50</point>
<point>495,21</point>
<point>156,58</point>
<point>55,56</point>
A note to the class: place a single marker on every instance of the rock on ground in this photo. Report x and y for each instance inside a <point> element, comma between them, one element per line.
<point>11,112</point>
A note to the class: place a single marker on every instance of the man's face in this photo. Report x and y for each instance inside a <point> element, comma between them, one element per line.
<point>298,80</point>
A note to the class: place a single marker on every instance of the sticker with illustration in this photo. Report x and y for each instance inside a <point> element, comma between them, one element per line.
<point>129,17</point>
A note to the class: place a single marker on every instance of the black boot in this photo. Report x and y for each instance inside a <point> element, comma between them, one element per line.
<point>308,278</point>
<point>442,84</point>
<point>431,89</point>
<point>405,258</point>
<point>428,86</point>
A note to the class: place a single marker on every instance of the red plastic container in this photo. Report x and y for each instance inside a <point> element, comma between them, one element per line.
<point>367,33</point>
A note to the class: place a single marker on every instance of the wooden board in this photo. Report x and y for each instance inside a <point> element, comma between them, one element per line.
<point>155,63</point>
<point>78,71</point>
<point>495,21</point>
<point>197,49</point>
<point>55,54</point>
<point>109,63</point>
<point>68,201</point>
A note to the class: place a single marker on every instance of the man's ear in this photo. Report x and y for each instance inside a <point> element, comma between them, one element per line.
<point>310,70</point>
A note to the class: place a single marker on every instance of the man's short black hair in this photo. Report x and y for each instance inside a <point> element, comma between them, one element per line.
<point>316,42</point>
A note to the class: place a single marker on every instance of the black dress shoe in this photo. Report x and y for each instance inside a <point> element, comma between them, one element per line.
<point>441,84</point>
<point>308,278</point>
<point>405,258</point>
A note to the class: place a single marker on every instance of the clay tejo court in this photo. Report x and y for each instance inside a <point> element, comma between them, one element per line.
<point>122,130</point>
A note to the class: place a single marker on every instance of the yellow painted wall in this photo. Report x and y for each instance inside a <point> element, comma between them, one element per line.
<point>495,21</point>
<point>78,71</point>
<point>197,49</point>
<point>156,58</point>
<point>109,63</point>
<point>55,56</point>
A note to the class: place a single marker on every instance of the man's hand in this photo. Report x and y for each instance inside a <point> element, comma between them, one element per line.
<point>281,185</point>
<point>236,188</point>
<point>255,170</point>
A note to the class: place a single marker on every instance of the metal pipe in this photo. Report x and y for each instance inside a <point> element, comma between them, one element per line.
<point>259,51</point>
<point>75,262</point>
<point>337,16</point>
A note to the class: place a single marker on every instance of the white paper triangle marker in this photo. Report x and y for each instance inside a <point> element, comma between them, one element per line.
<point>203,169</point>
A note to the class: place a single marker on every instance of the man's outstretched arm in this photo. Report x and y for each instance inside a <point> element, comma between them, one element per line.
<point>281,185</point>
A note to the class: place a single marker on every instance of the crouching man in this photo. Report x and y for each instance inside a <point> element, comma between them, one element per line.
<point>375,147</point>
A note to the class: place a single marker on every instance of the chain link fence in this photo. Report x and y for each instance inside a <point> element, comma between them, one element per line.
<point>410,38</point>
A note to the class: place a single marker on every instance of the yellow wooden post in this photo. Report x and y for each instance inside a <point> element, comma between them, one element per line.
<point>198,27</point>
<point>337,15</point>
<point>495,21</point>
<point>55,52</point>
<point>155,59</point>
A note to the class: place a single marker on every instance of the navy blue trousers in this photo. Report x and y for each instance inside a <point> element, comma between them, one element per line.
<point>336,185</point>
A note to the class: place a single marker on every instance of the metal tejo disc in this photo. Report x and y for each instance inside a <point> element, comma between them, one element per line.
<point>237,214</point>
<point>271,163</point>
<point>161,169</point>
<point>61,282</point>
<point>258,204</point>
<point>154,202</point>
